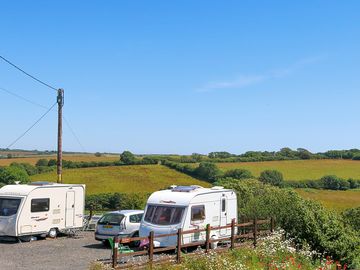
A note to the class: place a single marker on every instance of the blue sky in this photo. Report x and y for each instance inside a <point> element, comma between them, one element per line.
<point>183,76</point>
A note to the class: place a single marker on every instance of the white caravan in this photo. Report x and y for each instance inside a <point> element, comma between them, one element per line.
<point>41,208</point>
<point>189,207</point>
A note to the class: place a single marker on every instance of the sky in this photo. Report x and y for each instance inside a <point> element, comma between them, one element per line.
<point>182,76</point>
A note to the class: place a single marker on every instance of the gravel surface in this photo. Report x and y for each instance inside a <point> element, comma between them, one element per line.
<point>61,253</point>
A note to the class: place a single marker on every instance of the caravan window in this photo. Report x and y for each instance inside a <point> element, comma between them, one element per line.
<point>40,205</point>
<point>8,207</point>
<point>197,212</point>
<point>223,205</point>
<point>164,215</point>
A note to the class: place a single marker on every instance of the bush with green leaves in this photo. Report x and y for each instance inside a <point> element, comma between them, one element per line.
<point>113,201</point>
<point>238,174</point>
<point>127,158</point>
<point>208,171</point>
<point>304,220</point>
<point>272,177</point>
<point>335,183</point>
<point>42,162</point>
<point>11,174</point>
<point>352,217</point>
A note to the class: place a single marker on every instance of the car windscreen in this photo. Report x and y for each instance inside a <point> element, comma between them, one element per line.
<point>111,219</point>
<point>164,215</point>
<point>9,207</point>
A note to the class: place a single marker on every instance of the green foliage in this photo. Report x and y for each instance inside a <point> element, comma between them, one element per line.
<point>335,183</point>
<point>220,155</point>
<point>42,162</point>
<point>272,177</point>
<point>97,154</point>
<point>208,171</point>
<point>30,169</point>
<point>304,220</point>
<point>52,162</point>
<point>10,175</point>
<point>352,217</point>
<point>127,158</point>
<point>116,201</point>
<point>238,174</point>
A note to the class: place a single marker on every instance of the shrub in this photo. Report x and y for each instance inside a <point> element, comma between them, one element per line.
<point>335,183</point>
<point>42,162</point>
<point>239,174</point>
<point>52,162</point>
<point>304,220</point>
<point>30,169</point>
<point>352,217</point>
<point>127,158</point>
<point>10,175</point>
<point>208,171</point>
<point>272,177</point>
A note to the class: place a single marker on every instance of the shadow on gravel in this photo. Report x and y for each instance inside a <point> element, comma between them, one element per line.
<point>96,246</point>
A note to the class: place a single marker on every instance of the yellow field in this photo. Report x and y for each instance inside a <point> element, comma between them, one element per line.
<point>128,179</point>
<point>34,159</point>
<point>334,199</point>
<point>301,169</point>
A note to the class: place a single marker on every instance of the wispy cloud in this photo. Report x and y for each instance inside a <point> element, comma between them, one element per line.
<point>243,81</point>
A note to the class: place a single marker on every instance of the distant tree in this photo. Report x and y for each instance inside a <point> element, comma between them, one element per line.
<point>287,152</point>
<point>208,171</point>
<point>9,156</point>
<point>52,162</point>
<point>97,154</point>
<point>127,157</point>
<point>238,174</point>
<point>272,177</point>
<point>222,154</point>
<point>196,157</point>
<point>335,183</point>
<point>42,162</point>
<point>12,174</point>
<point>303,153</point>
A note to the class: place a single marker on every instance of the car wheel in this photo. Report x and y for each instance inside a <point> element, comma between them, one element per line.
<point>135,243</point>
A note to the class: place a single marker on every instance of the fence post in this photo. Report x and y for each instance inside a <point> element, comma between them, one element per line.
<point>151,248</point>
<point>232,233</point>
<point>178,254</point>
<point>272,221</point>
<point>255,231</point>
<point>207,241</point>
<point>115,252</point>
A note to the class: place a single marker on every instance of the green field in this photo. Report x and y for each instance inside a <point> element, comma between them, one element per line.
<point>128,179</point>
<point>337,200</point>
<point>301,169</point>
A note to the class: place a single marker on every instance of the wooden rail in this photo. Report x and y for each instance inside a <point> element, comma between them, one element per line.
<point>252,233</point>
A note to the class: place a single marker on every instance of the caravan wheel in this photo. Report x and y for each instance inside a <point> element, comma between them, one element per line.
<point>213,245</point>
<point>52,233</point>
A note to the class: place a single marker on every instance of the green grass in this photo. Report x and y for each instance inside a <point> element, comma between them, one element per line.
<point>301,169</point>
<point>127,179</point>
<point>333,199</point>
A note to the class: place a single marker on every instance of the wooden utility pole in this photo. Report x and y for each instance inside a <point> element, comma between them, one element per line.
<point>60,102</point>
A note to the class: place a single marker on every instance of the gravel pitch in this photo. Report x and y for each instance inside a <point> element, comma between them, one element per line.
<point>61,253</point>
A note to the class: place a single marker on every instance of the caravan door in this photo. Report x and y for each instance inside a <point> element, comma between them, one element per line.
<point>223,214</point>
<point>70,209</point>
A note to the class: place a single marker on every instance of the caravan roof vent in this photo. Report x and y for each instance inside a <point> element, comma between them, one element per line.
<point>40,183</point>
<point>185,188</point>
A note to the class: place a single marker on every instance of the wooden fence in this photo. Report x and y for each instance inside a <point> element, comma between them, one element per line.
<point>248,230</point>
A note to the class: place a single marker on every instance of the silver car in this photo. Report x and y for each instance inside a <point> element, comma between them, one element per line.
<point>124,223</point>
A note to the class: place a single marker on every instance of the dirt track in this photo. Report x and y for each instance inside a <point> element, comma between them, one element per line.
<point>61,253</point>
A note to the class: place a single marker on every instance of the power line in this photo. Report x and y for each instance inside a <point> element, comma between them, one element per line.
<point>37,121</point>
<point>73,133</point>
<point>44,107</point>
<point>23,71</point>
<point>23,98</point>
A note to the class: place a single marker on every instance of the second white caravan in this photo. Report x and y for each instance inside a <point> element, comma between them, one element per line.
<point>188,207</point>
<point>40,208</point>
